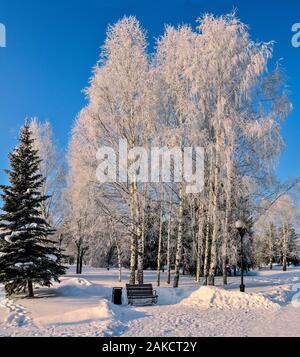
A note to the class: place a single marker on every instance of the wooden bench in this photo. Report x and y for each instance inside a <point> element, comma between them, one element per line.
<point>141,294</point>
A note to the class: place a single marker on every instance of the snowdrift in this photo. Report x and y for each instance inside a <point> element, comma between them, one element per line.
<point>85,315</point>
<point>79,288</point>
<point>82,288</point>
<point>225,299</point>
<point>171,296</point>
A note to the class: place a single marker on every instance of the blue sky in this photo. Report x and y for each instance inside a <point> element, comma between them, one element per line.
<point>52,46</point>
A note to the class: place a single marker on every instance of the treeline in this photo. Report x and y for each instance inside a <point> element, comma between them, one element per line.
<point>209,87</point>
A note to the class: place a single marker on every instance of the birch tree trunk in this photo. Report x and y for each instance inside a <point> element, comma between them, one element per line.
<point>160,240</point>
<point>226,220</point>
<point>270,248</point>
<point>138,239</point>
<point>119,255</point>
<point>284,246</point>
<point>207,254</point>
<point>199,245</point>
<point>214,234</point>
<point>132,237</point>
<point>119,263</point>
<point>169,242</point>
<point>194,247</point>
<point>179,239</point>
<point>224,251</point>
<point>141,241</point>
<point>215,191</point>
<point>133,217</point>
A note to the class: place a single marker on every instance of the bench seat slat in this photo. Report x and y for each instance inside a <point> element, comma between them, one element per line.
<point>141,292</point>
<point>147,289</point>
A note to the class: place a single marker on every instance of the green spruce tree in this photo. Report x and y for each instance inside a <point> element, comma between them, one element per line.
<point>27,255</point>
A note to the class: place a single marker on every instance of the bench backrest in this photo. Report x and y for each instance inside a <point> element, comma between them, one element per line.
<point>142,290</point>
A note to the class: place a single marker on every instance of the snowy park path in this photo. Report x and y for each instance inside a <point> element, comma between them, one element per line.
<point>172,321</point>
<point>284,323</point>
<point>81,307</point>
<point>14,315</point>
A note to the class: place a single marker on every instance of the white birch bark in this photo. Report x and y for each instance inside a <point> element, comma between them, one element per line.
<point>169,241</point>
<point>179,239</point>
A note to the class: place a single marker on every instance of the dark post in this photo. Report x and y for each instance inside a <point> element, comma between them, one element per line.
<point>30,289</point>
<point>242,286</point>
<point>240,226</point>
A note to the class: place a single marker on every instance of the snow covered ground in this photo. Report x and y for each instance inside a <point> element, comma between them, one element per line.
<point>80,306</point>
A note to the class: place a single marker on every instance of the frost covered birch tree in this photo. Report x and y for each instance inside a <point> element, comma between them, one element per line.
<point>174,58</point>
<point>120,108</point>
<point>52,167</point>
